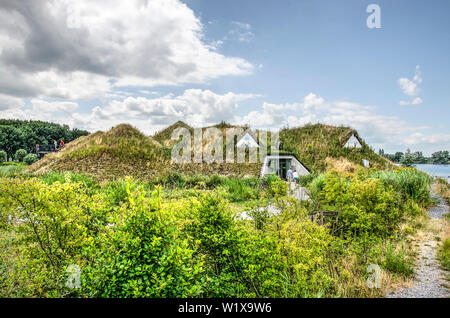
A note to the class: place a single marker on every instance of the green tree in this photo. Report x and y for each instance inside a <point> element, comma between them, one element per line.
<point>408,159</point>
<point>19,134</point>
<point>440,157</point>
<point>398,156</point>
<point>10,139</point>
<point>30,159</point>
<point>3,156</point>
<point>20,155</point>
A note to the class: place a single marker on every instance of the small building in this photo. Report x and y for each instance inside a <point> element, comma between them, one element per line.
<point>279,164</point>
<point>353,142</point>
<point>247,141</point>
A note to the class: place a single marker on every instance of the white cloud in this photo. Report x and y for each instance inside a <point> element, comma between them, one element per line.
<point>411,87</point>
<point>408,87</point>
<point>195,106</point>
<point>278,115</point>
<point>81,49</point>
<point>8,102</point>
<point>380,131</point>
<point>241,32</point>
<point>203,107</point>
<point>417,101</point>
<point>43,106</point>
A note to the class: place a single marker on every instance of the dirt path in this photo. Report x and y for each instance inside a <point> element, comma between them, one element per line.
<point>430,277</point>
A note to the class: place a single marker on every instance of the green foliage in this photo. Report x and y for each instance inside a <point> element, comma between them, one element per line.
<point>312,144</point>
<point>408,159</point>
<point>23,134</point>
<point>137,239</point>
<point>444,254</point>
<point>141,256</point>
<point>56,221</point>
<point>122,142</point>
<point>236,189</point>
<point>409,182</point>
<point>283,258</point>
<point>116,192</point>
<point>212,225</point>
<point>30,159</point>
<point>368,207</point>
<point>8,170</point>
<point>438,157</point>
<point>396,261</point>
<point>3,156</point>
<point>240,190</point>
<point>20,154</point>
<point>276,186</point>
<point>306,179</point>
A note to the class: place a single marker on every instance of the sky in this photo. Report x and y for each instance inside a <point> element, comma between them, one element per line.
<point>269,64</point>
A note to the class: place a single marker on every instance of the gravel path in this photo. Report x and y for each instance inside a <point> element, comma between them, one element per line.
<point>429,278</point>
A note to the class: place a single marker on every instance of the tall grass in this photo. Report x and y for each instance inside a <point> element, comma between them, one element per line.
<point>444,254</point>
<point>236,189</point>
<point>442,188</point>
<point>409,182</point>
<point>10,170</point>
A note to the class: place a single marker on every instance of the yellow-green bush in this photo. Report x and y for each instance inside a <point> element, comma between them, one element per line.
<point>369,208</point>
<point>53,223</point>
<point>140,255</point>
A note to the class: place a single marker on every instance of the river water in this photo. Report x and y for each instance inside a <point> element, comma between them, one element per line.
<point>442,171</point>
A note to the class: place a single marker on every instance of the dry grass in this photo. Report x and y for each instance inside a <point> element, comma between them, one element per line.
<point>353,280</point>
<point>340,164</point>
<point>442,188</point>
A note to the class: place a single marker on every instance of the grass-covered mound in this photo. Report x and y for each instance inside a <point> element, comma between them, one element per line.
<point>312,144</point>
<point>125,151</point>
<point>121,151</point>
<point>164,136</point>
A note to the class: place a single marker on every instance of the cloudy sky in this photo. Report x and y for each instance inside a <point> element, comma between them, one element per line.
<point>95,63</point>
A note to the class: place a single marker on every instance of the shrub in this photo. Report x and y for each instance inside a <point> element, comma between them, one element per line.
<point>316,187</point>
<point>302,246</point>
<point>444,254</point>
<point>116,192</point>
<point>20,155</point>
<point>276,186</point>
<point>212,224</point>
<point>30,159</point>
<point>141,255</point>
<point>306,179</point>
<point>369,208</point>
<point>56,221</point>
<point>3,156</point>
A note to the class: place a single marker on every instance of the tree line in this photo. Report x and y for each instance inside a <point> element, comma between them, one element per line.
<point>409,158</point>
<point>26,134</point>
